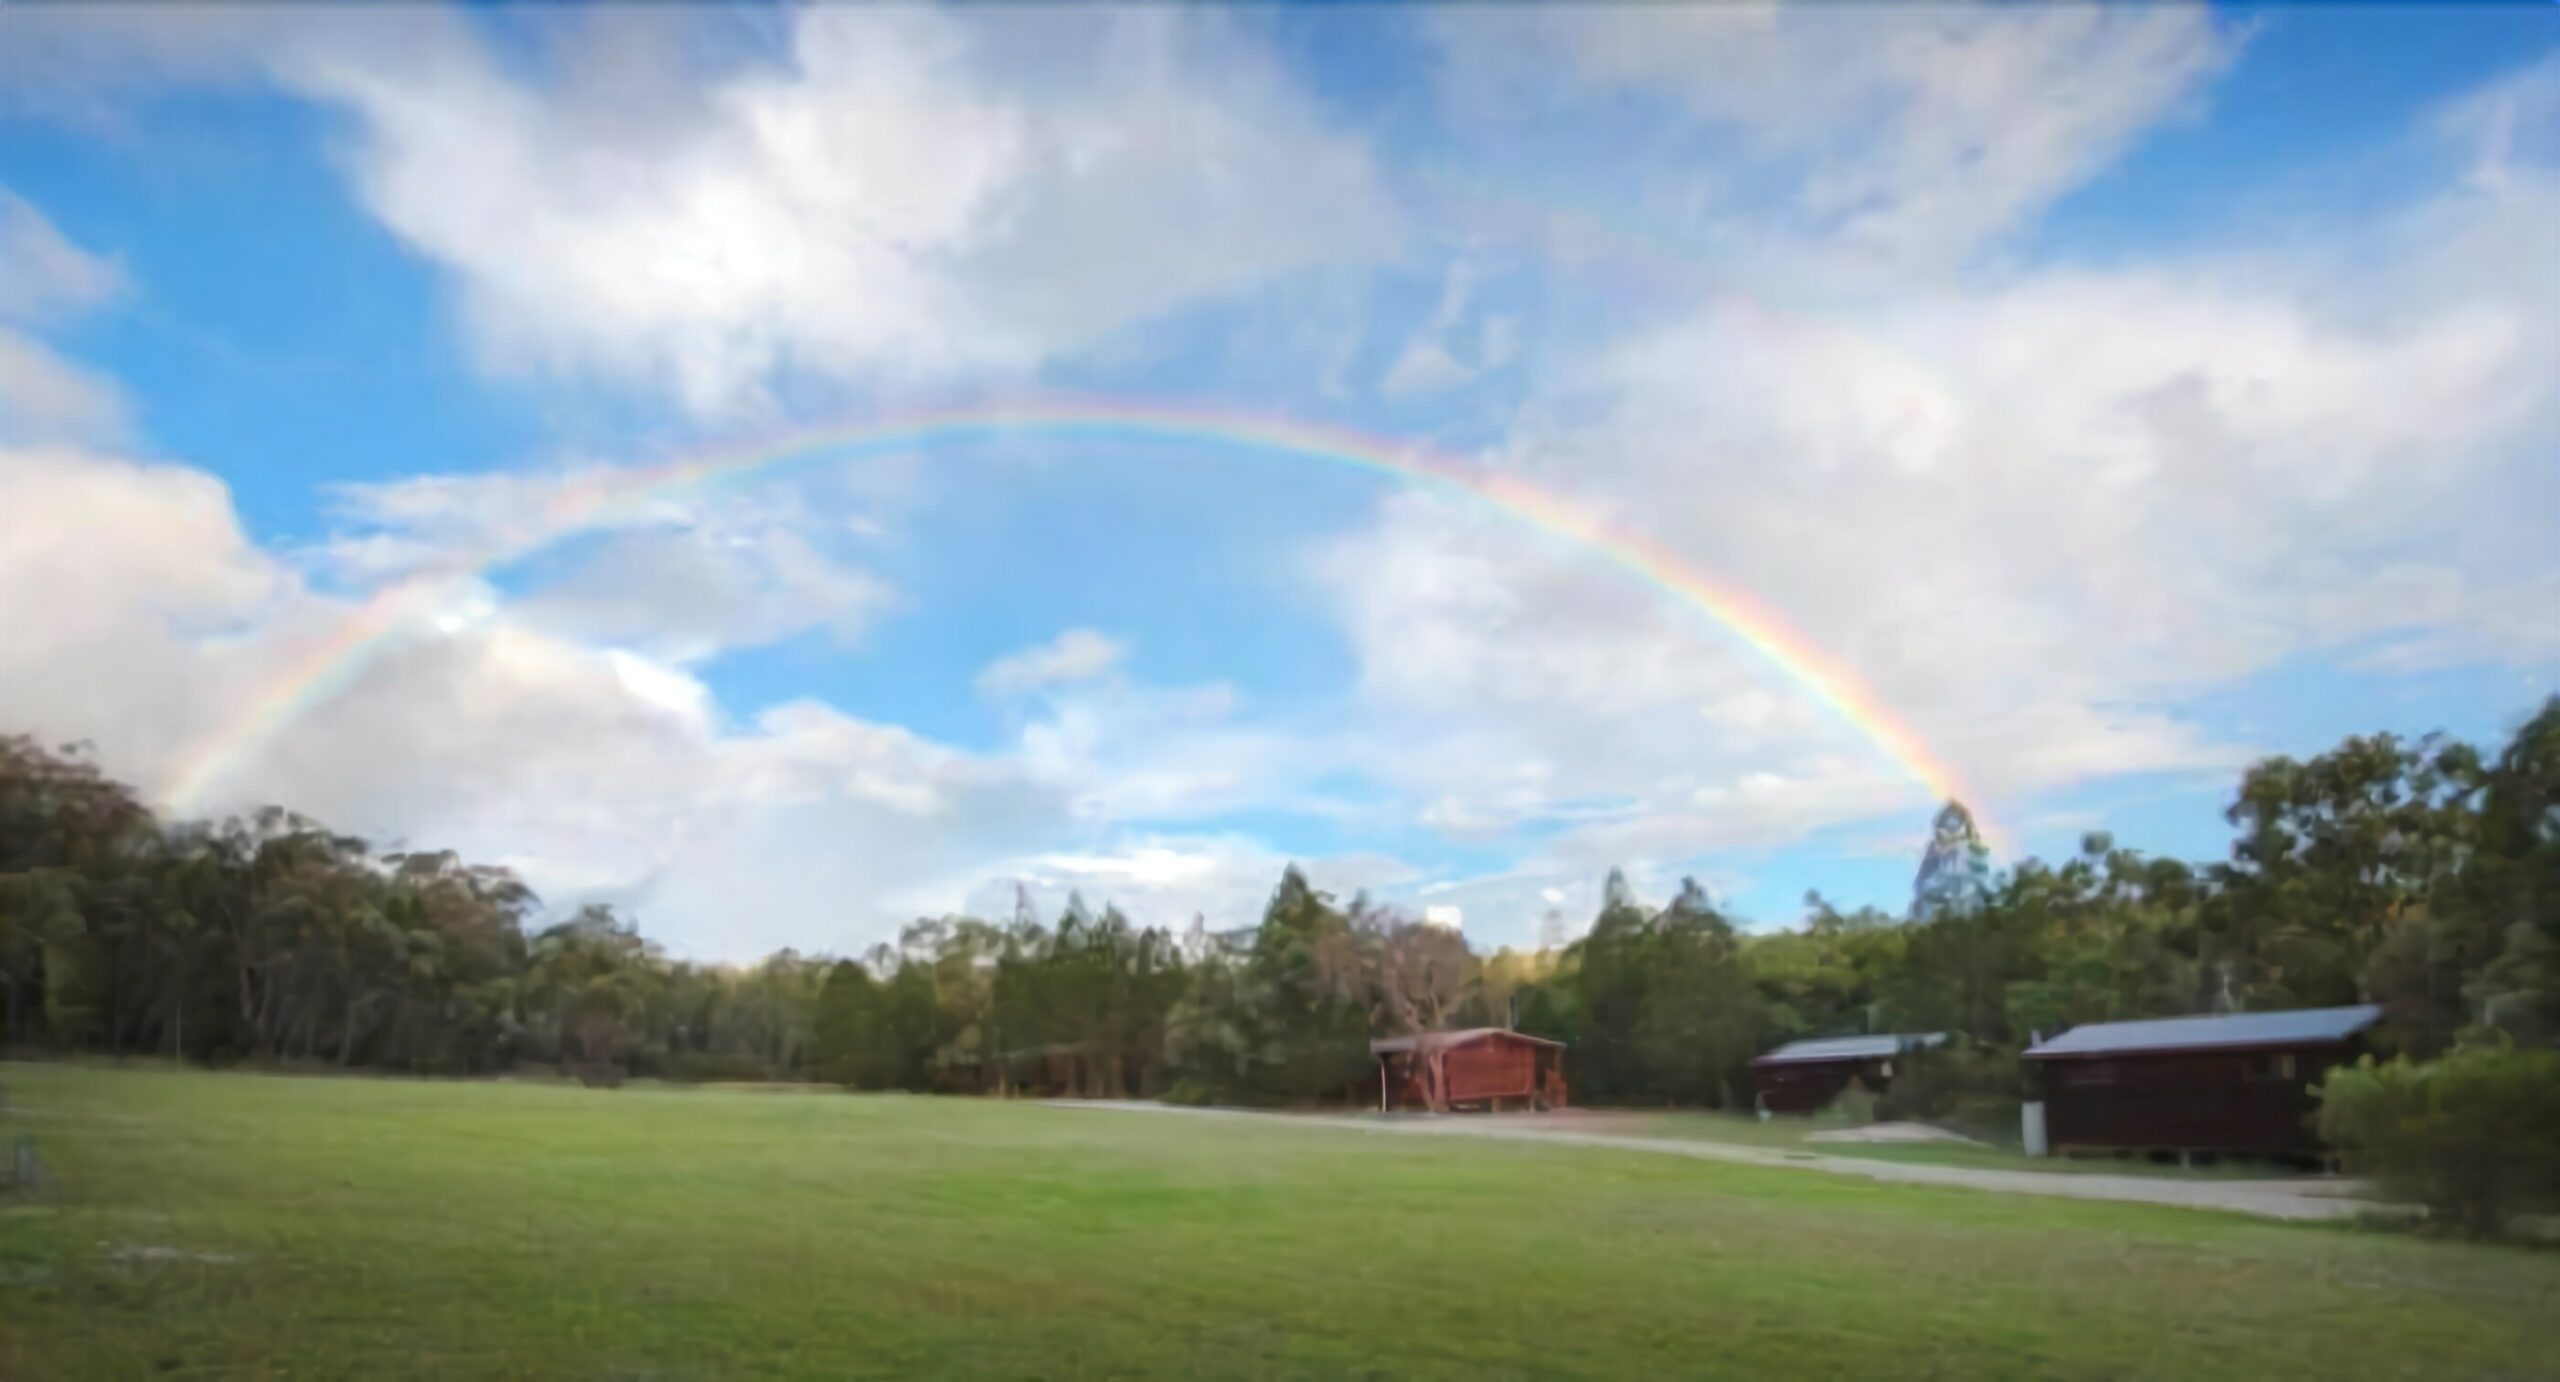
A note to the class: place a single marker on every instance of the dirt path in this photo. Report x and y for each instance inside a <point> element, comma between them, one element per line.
<point>2309,1198</point>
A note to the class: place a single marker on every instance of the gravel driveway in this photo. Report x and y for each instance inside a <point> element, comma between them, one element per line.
<point>2307,1198</point>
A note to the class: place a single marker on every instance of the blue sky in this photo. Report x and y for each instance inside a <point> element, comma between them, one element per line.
<point>2122,394</point>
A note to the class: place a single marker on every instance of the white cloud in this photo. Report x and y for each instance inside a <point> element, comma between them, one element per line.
<point>1166,880</point>
<point>2040,507</point>
<point>1431,360</point>
<point>42,274</point>
<point>1074,655</point>
<point>2036,510</point>
<point>682,575</point>
<point>137,565</point>
<point>45,397</point>
<point>164,634</point>
<point>90,64</point>
<point>906,196</point>
<point>599,771</point>
<point>1898,137</point>
<point>684,595</point>
<point>45,278</point>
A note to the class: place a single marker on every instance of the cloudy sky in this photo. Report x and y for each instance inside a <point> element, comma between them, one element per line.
<point>2112,396</point>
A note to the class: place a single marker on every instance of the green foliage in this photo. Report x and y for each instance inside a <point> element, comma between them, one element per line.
<point>2423,875</point>
<point>706,1067</point>
<point>850,1021</point>
<point>1853,1105</point>
<point>1963,1082</point>
<point>1303,1010</point>
<point>2473,1136</point>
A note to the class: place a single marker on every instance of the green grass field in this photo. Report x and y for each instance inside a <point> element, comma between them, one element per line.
<point>241,1225</point>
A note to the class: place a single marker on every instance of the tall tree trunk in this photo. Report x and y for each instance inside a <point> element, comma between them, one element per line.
<point>251,1015</point>
<point>347,1038</point>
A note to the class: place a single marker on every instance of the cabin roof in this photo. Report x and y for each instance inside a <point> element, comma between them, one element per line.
<point>2299,1027</point>
<point>1438,1041</point>
<point>1820,1049</point>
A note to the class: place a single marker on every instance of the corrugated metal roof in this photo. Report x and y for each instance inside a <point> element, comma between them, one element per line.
<point>1433,1041</point>
<point>2297,1027</point>
<point>1850,1048</point>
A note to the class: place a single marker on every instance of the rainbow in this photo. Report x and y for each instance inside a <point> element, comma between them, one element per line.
<point>331,661</point>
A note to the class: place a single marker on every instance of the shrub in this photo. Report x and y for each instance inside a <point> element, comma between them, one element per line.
<point>1960,1083</point>
<point>2474,1137</point>
<point>710,1067</point>
<point>1852,1105</point>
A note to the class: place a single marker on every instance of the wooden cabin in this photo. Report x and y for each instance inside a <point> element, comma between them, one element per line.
<point>1480,1067</point>
<point>1805,1076</point>
<point>2236,1083</point>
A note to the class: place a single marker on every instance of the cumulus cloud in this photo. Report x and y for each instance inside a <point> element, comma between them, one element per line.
<point>139,565</point>
<point>2037,510</point>
<point>2040,507</point>
<point>165,635</point>
<point>597,771</point>
<point>900,196</point>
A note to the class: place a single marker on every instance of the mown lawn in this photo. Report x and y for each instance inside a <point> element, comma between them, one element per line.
<point>376,1228</point>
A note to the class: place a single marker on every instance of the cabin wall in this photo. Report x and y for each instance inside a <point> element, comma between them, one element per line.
<point>1810,1086</point>
<point>2251,1102</point>
<point>1478,1072</point>
<point>1491,1069</point>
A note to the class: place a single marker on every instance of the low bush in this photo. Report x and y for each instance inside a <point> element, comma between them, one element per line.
<point>1853,1106</point>
<point>1959,1082</point>
<point>2474,1136</point>
<point>704,1067</point>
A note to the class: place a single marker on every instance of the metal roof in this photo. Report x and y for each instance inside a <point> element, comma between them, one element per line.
<point>1433,1041</point>
<point>1850,1048</point>
<point>2300,1027</point>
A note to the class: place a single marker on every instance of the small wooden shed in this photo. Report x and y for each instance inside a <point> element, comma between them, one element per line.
<point>1805,1076</point>
<point>1478,1067</point>
<point>2235,1083</point>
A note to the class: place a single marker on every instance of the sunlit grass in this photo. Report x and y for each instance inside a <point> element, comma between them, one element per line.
<point>258,1226</point>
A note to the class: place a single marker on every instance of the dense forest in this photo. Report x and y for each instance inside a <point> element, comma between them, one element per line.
<point>2420,874</point>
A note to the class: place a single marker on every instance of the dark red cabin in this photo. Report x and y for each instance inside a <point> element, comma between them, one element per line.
<point>1480,1067</point>
<point>2237,1083</point>
<point>1804,1076</point>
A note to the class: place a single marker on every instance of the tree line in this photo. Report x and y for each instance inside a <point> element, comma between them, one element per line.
<point>2422,874</point>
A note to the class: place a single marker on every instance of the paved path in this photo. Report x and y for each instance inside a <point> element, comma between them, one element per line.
<point>2302,1199</point>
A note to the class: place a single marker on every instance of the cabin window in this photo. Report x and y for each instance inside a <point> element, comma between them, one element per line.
<point>2093,1073</point>
<point>2277,1065</point>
